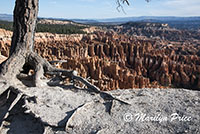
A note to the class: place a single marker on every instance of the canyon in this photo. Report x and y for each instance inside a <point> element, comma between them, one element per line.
<point>112,60</point>
<point>152,70</point>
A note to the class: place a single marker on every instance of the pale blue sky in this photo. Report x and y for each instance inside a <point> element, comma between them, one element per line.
<point>107,8</point>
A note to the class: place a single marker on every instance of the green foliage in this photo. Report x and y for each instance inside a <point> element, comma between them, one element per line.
<point>51,28</point>
<point>60,29</point>
<point>6,25</point>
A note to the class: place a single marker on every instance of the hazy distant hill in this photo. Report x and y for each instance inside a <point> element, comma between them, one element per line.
<point>85,21</point>
<point>6,17</point>
<point>189,23</point>
<point>9,17</point>
<point>157,18</point>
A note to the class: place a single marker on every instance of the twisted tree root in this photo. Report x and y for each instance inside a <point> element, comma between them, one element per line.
<point>43,67</point>
<point>50,70</point>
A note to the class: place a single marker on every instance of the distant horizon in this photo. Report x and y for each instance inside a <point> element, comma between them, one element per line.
<point>119,17</point>
<point>104,18</point>
<point>105,9</point>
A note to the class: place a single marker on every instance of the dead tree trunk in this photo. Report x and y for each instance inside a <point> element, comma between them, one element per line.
<point>25,16</point>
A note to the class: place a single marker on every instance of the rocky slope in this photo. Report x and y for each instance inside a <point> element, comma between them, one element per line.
<point>157,30</point>
<point>65,110</point>
<point>115,61</point>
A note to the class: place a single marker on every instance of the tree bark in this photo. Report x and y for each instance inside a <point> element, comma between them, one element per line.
<point>25,17</point>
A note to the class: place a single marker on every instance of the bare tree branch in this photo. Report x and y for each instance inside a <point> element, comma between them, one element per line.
<point>120,4</point>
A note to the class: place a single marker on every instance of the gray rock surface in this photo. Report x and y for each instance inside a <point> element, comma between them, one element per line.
<point>66,110</point>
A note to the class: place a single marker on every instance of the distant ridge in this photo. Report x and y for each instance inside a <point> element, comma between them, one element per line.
<point>189,23</point>
<point>157,18</point>
<point>9,17</point>
<point>85,21</point>
<point>6,17</point>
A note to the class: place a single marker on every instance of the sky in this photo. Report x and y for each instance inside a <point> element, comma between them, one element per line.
<point>99,9</point>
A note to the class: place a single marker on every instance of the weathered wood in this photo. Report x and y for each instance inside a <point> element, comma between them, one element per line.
<point>25,17</point>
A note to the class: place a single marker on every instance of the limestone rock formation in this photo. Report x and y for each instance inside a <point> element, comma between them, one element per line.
<point>115,61</point>
<point>157,31</point>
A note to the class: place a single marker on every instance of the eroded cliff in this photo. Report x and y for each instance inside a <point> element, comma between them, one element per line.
<point>113,61</point>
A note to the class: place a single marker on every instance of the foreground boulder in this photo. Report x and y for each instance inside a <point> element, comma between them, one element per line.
<point>66,110</point>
